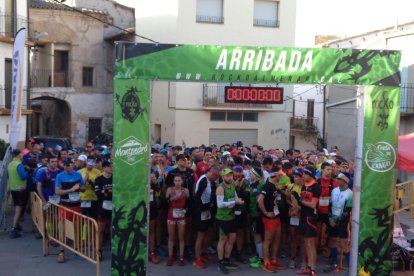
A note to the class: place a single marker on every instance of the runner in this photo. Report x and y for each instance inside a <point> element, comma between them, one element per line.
<point>309,198</point>
<point>339,220</point>
<point>271,220</point>
<point>103,189</point>
<point>68,182</point>
<point>226,200</point>
<point>45,179</point>
<point>177,197</point>
<point>256,187</point>
<point>327,184</point>
<point>154,202</point>
<point>202,218</point>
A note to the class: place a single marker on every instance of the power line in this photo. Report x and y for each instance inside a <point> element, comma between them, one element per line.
<point>60,2</point>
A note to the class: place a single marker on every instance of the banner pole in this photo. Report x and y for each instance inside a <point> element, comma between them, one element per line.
<point>353,266</point>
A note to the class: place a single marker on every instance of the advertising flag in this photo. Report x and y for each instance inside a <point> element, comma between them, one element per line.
<point>17,87</point>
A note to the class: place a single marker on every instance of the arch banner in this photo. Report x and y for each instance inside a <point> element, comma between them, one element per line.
<point>137,64</point>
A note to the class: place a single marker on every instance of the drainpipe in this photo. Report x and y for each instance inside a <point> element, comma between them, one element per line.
<point>28,85</point>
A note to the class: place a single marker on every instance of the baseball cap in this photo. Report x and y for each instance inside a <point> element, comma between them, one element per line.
<point>238,168</point>
<point>234,152</point>
<point>226,171</point>
<point>91,162</point>
<point>68,161</point>
<point>106,163</point>
<point>181,157</point>
<point>226,153</point>
<point>156,146</point>
<point>298,172</point>
<point>309,170</point>
<point>16,152</point>
<point>82,157</point>
<point>343,177</point>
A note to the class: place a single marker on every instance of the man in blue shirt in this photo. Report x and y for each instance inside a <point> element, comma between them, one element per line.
<point>68,184</point>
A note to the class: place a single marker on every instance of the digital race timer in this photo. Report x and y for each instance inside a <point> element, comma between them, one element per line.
<point>255,95</point>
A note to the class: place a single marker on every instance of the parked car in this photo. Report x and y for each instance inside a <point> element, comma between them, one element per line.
<point>52,142</point>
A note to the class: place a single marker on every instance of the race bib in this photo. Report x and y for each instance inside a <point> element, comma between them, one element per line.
<point>205,215</point>
<point>276,210</point>
<point>336,212</point>
<point>294,221</point>
<point>107,205</point>
<point>279,197</point>
<point>86,204</point>
<point>151,196</point>
<point>237,212</point>
<point>324,201</point>
<point>178,213</point>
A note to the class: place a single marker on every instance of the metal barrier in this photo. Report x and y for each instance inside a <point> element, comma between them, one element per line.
<point>70,229</point>
<point>404,197</point>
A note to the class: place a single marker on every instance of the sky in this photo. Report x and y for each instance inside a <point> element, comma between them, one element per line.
<point>343,18</point>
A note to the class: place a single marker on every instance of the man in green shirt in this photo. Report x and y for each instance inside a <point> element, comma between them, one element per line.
<point>17,185</point>
<point>226,201</point>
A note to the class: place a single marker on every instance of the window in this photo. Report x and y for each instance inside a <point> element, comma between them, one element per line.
<point>87,76</point>
<point>210,11</point>
<point>95,128</point>
<point>7,84</point>
<point>217,116</point>
<point>311,108</point>
<point>234,116</point>
<point>266,13</point>
<point>250,116</point>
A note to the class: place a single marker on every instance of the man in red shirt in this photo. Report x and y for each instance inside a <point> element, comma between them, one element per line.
<point>327,184</point>
<point>203,164</point>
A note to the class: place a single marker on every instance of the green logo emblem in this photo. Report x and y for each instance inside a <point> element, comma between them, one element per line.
<point>380,157</point>
<point>131,150</point>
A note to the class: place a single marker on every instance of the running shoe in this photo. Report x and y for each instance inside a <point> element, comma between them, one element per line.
<point>254,259</point>
<point>256,264</point>
<point>14,234</point>
<point>222,268</point>
<point>19,228</point>
<point>239,258</point>
<point>305,271</point>
<point>153,258</point>
<point>331,269</point>
<point>292,264</point>
<point>199,263</point>
<point>206,258</point>
<point>268,267</point>
<point>230,265</point>
<point>277,264</point>
<point>181,261</point>
<point>61,257</point>
<point>170,261</point>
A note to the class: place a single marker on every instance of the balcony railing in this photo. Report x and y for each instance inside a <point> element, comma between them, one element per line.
<point>10,24</point>
<point>48,78</point>
<point>306,124</point>
<point>266,23</point>
<point>209,19</point>
<point>407,98</point>
<point>213,96</point>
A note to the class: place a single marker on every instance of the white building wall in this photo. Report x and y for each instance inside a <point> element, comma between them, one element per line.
<point>6,51</point>
<point>179,110</point>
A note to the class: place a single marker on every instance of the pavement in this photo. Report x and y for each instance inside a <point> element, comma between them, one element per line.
<point>24,257</point>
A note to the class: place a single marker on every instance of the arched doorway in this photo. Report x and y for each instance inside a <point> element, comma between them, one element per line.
<point>51,117</point>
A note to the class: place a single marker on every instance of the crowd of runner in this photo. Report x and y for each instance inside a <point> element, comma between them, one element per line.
<point>78,179</point>
<point>251,205</point>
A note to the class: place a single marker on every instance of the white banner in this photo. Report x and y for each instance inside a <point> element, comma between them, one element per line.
<point>17,87</point>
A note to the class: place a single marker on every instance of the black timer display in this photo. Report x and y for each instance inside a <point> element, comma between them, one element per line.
<point>254,95</point>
